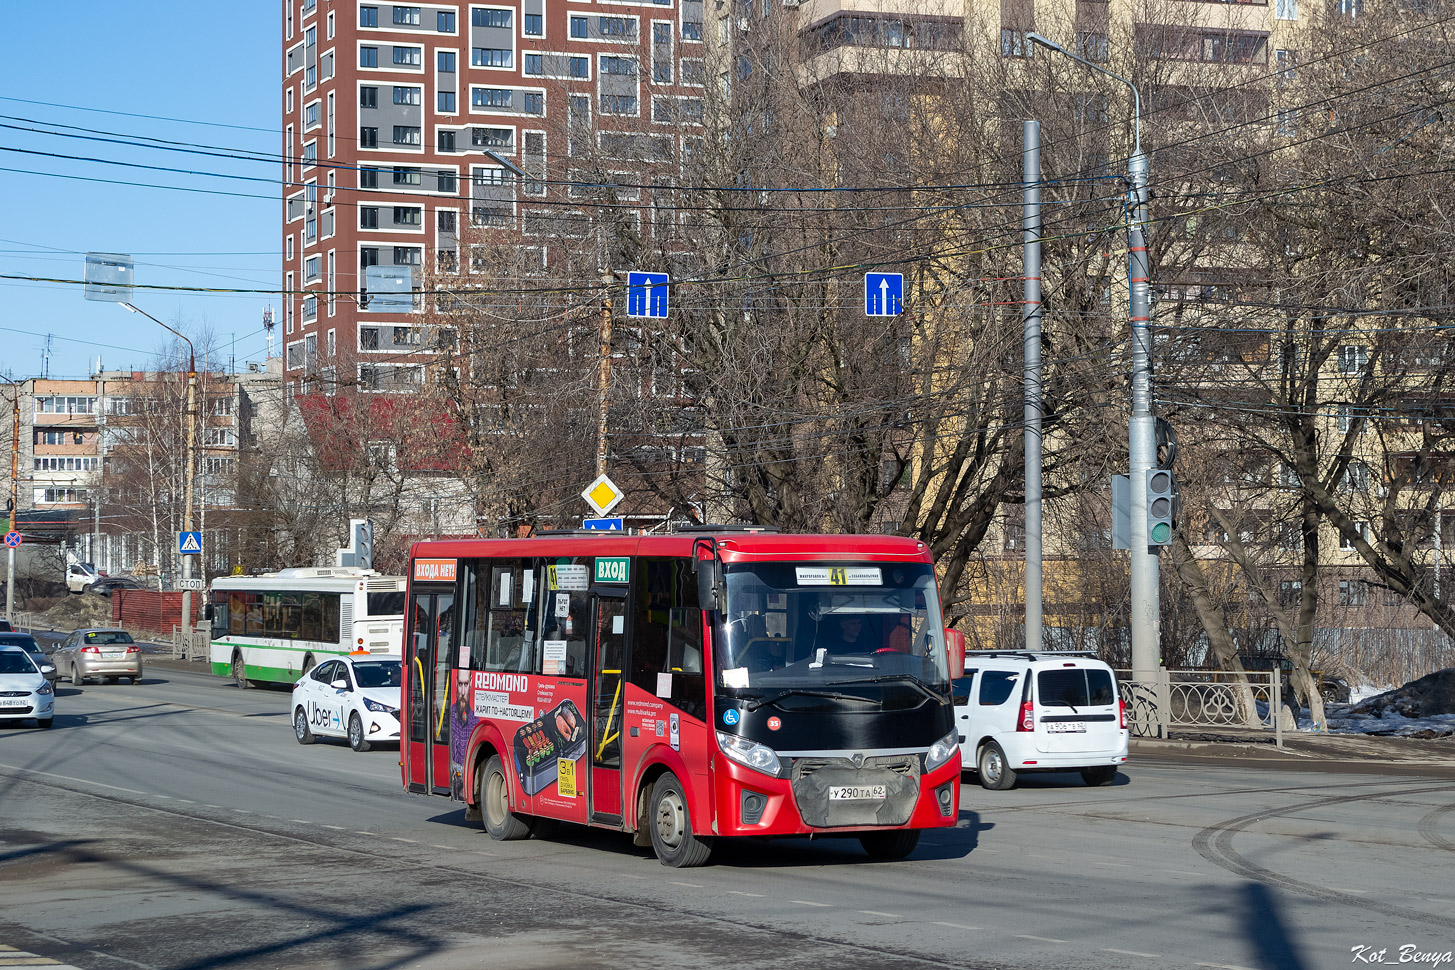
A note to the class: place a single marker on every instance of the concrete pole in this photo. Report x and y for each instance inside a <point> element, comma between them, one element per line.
<point>189,479</point>
<point>1031,335</point>
<point>604,378</point>
<point>14,501</point>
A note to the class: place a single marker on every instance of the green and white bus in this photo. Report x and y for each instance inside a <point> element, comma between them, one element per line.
<point>274,627</point>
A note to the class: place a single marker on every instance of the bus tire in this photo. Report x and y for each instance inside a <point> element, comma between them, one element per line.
<point>301,730</point>
<point>357,741</point>
<point>493,797</point>
<point>671,825</point>
<point>308,664</point>
<point>239,672</point>
<point>890,845</point>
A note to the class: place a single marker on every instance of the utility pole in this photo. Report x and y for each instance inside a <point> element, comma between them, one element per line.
<point>1142,429</point>
<point>604,377</point>
<point>1031,336</point>
<point>14,500</point>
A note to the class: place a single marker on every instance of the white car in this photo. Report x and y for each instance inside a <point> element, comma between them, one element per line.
<point>1023,711</point>
<point>79,575</point>
<point>24,691</point>
<point>354,697</point>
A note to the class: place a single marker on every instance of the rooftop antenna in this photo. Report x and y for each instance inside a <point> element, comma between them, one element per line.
<point>45,358</point>
<point>268,328</point>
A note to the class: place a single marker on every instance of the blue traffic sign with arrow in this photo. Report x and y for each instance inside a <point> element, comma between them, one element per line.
<point>646,295</point>
<point>883,294</point>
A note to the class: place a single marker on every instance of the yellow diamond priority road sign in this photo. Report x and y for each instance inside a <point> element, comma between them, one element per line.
<point>602,495</point>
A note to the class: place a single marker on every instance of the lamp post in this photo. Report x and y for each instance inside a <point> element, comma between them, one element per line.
<point>14,498</point>
<point>1142,430</point>
<point>190,470</point>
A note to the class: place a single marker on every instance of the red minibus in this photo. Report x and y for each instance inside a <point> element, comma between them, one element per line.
<point>684,688</point>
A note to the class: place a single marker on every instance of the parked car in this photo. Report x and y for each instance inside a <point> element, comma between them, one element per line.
<point>24,691</point>
<point>1022,711</point>
<point>354,697</point>
<point>5,626</point>
<point>79,575</point>
<point>1333,689</point>
<point>107,584</point>
<point>104,652</point>
<point>27,643</point>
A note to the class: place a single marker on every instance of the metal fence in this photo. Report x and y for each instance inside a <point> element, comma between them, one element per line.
<point>1203,700</point>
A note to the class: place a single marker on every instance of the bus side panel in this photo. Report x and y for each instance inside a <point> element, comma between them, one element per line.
<point>485,734</point>
<point>665,735</point>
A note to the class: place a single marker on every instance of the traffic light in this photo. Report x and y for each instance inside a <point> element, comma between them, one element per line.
<point>1161,506</point>
<point>364,548</point>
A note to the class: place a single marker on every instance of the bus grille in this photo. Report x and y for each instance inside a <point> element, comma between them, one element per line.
<point>813,777</point>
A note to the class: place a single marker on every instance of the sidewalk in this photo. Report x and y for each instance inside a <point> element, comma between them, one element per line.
<point>1345,751</point>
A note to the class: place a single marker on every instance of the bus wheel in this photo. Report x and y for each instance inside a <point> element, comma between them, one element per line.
<point>308,664</point>
<point>239,672</point>
<point>890,845</point>
<point>499,821</point>
<point>671,826</point>
<point>300,727</point>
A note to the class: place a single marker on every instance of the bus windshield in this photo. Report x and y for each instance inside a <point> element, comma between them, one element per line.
<point>828,625</point>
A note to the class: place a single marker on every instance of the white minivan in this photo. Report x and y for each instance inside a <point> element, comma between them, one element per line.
<point>1023,711</point>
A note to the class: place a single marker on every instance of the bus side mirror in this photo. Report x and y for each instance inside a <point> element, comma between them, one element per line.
<point>207,612</point>
<point>955,652</point>
<point>709,584</point>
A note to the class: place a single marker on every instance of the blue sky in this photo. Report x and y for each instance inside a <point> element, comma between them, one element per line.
<point>196,62</point>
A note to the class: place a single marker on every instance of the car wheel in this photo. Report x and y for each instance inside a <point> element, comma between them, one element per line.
<point>493,797</point>
<point>995,774</point>
<point>239,672</point>
<point>76,678</point>
<point>890,845</point>
<point>88,588</point>
<point>300,727</point>
<point>1098,776</point>
<point>357,741</point>
<point>43,722</point>
<point>110,680</point>
<point>671,826</point>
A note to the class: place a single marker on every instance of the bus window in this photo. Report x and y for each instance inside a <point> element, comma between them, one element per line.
<point>497,630</point>
<point>220,625</point>
<point>254,620</point>
<point>667,634</point>
<point>311,623</point>
<point>290,616</point>
<point>271,608</point>
<point>385,604</point>
<point>330,603</point>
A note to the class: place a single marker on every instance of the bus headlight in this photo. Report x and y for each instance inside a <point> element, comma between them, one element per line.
<point>378,708</point>
<point>942,750</point>
<point>750,754</point>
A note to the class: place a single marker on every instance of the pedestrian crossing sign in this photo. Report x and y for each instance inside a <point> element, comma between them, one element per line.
<point>189,543</point>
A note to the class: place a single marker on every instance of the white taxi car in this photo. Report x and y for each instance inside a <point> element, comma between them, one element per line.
<point>354,697</point>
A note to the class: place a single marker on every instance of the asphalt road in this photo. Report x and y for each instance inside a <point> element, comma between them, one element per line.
<point>176,824</point>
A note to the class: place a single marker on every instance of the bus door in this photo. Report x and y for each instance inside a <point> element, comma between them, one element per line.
<point>427,672</point>
<point>608,700</point>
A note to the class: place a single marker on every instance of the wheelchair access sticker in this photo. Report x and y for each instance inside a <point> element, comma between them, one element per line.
<point>730,716</point>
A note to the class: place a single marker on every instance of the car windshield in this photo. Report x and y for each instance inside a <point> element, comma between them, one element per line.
<point>109,636</point>
<point>16,662</point>
<point>823,625</point>
<point>19,640</point>
<point>378,673</point>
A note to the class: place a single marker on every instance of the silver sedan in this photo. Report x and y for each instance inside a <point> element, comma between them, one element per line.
<point>98,652</point>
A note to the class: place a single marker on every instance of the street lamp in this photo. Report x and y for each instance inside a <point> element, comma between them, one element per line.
<point>14,499</point>
<point>1142,431</point>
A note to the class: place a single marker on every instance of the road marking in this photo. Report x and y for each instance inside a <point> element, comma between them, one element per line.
<point>82,781</point>
<point>870,912</point>
<point>689,885</point>
<point>1133,953</point>
<point>11,957</point>
<point>739,892</point>
<point>955,926</point>
<point>301,821</point>
<point>1182,872</point>
<point>447,848</point>
<point>1221,966</point>
<point>336,828</point>
<point>370,834</point>
<point>1117,865</point>
<point>630,876</point>
<point>1341,889</point>
<point>804,902</point>
<point>1043,939</point>
<point>398,839</point>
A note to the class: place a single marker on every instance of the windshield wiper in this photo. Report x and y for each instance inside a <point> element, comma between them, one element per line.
<point>756,703</point>
<point>1063,702</point>
<point>884,678</point>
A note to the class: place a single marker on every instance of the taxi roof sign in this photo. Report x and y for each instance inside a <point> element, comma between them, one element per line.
<point>602,495</point>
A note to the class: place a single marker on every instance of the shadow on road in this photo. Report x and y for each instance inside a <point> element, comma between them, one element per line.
<point>1266,929</point>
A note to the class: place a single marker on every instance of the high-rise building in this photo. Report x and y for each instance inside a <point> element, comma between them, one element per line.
<point>406,124</point>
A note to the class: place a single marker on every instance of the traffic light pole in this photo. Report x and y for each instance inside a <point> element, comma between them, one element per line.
<point>1142,429</point>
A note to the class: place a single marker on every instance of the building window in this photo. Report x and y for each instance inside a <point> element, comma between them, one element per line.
<point>368,178</point>
<point>533,103</point>
<point>408,215</point>
<point>535,25</point>
<point>1013,43</point>
<point>407,256</point>
<point>368,16</point>
<point>445,102</point>
<point>1092,45</point>
<point>310,312</point>
<point>445,61</point>
<point>368,57</point>
<point>489,57</point>
<point>619,66</point>
<point>332,343</point>
<point>311,267</point>
<point>310,154</point>
<point>489,98</point>
<point>406,16</point>
<point>447,182</point>
<point>533,64</point>
<point>446,140</point>
<point>407,176</point>
<point>617,27</point>
<point>578,27</point>
<point>1346,543</point>
<point>368,97</point>
<point>1286,9</point>
<point>619,104</point>
<point>368,217</point>
<point>406,95</point>
<point>445,21</point>
<point>445,219</point>
<point>491,137</point>
<point>481,17</point>
<point>407,135</point>
<point>368,137</point>
<point>691,30</point>
<point>1353,359</point>
<point>408,56</point>
<point>310,115</point>
<point>580,67</point>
